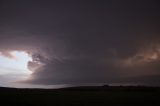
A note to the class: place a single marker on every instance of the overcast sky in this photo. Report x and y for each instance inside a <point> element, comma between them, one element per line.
<point>84,41</point>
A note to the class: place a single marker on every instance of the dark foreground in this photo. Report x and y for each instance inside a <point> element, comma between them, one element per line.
<point>81,96</point>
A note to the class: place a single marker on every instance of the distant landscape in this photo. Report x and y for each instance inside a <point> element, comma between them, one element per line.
<point>79,52</point>
<point>81,96</point>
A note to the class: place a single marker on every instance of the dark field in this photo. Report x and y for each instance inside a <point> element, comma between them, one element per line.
<point>81,96</point>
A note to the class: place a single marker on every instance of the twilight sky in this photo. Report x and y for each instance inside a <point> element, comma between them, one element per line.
<point>76,42</point>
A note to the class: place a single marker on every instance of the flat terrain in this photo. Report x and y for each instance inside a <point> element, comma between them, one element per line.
<point>81,96</point>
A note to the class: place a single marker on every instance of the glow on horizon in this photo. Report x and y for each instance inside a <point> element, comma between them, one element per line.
<point>17,65</point>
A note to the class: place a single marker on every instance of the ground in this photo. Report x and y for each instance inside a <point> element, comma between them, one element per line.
<point>81,96</point>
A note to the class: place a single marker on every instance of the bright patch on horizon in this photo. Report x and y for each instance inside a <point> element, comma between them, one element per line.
<point>16,65</point>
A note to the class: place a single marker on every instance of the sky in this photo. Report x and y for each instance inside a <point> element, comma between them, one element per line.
<point>50,43</point>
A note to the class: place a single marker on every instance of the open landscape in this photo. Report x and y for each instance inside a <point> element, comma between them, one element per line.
<point>81,96</point>
<point>79,52</point>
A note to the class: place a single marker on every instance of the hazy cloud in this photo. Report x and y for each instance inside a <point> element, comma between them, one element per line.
<point>83,42</point>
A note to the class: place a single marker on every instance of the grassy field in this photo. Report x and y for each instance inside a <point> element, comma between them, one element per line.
<point>81,96</point>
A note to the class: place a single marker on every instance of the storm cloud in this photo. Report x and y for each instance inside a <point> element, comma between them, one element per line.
<point>78,42</point>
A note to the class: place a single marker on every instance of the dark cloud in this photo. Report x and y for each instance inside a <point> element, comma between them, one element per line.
<point>74,71</point>
<point>81,42</point>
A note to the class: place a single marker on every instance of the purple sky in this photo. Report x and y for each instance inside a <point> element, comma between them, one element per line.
<point>81,42</point>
